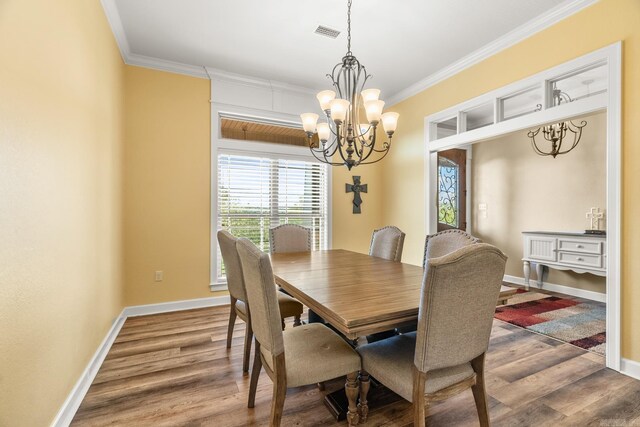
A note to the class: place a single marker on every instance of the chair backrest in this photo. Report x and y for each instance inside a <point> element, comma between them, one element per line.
<point>387,243</point>
<point>289,238</point>
<point>261,293</point>
<point>232,267</point>
<point>458,301</point>
<point>445,242</point>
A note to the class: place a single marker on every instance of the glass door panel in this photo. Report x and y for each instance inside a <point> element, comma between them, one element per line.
<point>452,184</point>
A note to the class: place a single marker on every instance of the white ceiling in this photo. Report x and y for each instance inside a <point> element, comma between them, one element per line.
<point>399,41</point>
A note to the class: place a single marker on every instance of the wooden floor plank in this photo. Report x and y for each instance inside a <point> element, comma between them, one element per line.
<point>586,391</point>
<point>174,369</point>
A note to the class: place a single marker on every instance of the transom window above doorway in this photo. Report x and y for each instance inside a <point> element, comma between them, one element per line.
<point>582,83</point>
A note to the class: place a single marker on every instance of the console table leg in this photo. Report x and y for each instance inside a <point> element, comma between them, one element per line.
<point>527,274</point>
<point>539,272</point>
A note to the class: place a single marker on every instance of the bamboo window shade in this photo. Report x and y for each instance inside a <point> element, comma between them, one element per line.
<point>253,131</point>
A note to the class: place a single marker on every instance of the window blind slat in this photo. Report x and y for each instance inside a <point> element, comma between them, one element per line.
<point>257,193</point>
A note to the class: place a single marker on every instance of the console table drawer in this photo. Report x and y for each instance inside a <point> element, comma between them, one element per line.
<point>582,246</point>
<point>580,259</point>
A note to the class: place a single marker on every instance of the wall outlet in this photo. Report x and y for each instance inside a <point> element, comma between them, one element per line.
<point>159,276</point>
<point>482,208</point>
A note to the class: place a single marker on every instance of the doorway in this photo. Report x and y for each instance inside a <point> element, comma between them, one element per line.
<point>528,104</point>
<point>452,189</point>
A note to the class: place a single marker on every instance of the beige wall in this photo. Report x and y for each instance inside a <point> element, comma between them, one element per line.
<point>543,194</point>
<point>597,26</point>
<point>60,199</point>
<point>167,186</point>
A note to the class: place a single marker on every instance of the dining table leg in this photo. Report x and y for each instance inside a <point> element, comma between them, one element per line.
<point>363,405</point>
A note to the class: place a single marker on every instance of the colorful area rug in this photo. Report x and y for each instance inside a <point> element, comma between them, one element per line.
<point>576,321</point>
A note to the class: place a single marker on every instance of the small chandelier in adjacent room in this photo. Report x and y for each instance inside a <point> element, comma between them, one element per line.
<point>345,139</point>
<point>557,132</point>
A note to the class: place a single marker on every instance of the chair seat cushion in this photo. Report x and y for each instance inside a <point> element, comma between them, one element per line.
<point>314,353</point>
<point>289,307</point>
<point>390,361</point>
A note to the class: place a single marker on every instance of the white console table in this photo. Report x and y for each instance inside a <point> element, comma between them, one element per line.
<point>580,252</point>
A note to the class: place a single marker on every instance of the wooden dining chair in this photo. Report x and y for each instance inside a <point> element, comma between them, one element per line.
<point>446,355</point>
<point>295,357</point>
<point>289,238</point>
<point>289,307</point>
<point>445,242</point>
<point>387,242</point>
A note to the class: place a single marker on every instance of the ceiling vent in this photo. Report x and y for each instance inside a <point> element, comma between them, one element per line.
<point>327,32</point>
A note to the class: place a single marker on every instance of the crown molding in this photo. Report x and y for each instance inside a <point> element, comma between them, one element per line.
<point>113,18</point>
<point>513,37</point>
<point>166,65</point>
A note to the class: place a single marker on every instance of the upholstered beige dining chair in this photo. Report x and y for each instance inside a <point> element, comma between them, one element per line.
<point>289,238</point>
<point>289,307</point>
<point>387,242</point>
<point>445,242</point>
<point>304,355</point>
<point>446,355</point>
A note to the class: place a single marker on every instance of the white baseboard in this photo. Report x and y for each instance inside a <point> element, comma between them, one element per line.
<point>630,368</point>
<point>567,290</point>
<point>166,307</point>
<point>72,403</point>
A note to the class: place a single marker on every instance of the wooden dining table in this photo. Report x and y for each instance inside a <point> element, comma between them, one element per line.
<point>357,294</point>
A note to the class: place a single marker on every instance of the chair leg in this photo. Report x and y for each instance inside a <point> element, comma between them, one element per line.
<point>255,373</point>
<point>363,406</point>
<point>248,337</point>
<point>479,392</point>
<point>351,389</point>
<point>279,391</point>
<point>232,321</point>
<point>283,325</point>
<point>419,413</point>
<point>296,321</point>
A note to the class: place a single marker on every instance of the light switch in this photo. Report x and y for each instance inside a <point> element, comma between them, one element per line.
<point>159,276</point>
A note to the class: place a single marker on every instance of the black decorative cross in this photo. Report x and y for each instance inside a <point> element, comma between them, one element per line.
<point>356,188</point>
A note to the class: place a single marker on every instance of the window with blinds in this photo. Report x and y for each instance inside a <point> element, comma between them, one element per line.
<point>258,193</point>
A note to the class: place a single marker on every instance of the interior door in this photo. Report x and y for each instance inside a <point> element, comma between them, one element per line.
<point>452,189</point>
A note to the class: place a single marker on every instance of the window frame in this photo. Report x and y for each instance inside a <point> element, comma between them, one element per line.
<point>221,145</point>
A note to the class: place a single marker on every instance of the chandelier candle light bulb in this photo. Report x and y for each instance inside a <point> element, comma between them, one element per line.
<point>324,98</point>
<point>374,111</point>
<point>309,121</point>
<point>339,109</point>
<point>324,131</point>
<point>345,140</point>
<point>390,122</point>
<point>370,95</point>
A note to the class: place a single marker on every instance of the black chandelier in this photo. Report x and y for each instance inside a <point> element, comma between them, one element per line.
<point>556,133</point>
<point>344,134</point>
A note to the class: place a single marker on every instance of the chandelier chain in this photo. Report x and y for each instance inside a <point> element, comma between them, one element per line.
<point>349,27</point>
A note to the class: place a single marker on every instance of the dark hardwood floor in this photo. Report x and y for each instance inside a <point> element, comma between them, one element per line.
<point>174,369</point>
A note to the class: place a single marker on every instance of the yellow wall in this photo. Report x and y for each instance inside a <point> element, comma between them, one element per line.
<point>167,189</point>
<point>555,200</point>
<point>353,231</point>
<point>597,26</point>
<point>167,186</point>
<point>60,199</point>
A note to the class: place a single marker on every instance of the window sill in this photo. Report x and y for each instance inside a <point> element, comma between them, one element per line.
<point>218,286</point>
